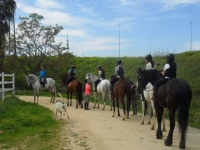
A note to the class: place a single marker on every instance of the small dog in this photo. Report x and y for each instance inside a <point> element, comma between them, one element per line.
<point>61,107</point>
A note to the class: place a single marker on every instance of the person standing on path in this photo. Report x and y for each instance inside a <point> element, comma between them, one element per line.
<point>86,89</point>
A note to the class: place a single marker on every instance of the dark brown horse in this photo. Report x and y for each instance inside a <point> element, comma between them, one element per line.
<point>121,89</point>
<point>74,87</point>
<point>134,96</point>
<point>174,94</point>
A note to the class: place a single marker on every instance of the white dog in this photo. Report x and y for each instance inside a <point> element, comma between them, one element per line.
<point>61,107</point>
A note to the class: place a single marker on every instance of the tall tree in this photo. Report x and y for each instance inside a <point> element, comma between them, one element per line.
<point>7,11</point>
<point>35,42</point>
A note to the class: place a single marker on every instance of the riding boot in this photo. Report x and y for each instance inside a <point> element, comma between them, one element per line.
<point>95,87</point>
<point>87,106</point>
<point>111,89</point>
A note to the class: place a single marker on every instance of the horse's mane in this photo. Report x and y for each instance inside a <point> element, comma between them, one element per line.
<point>92,75</point>
<point>32,77</point>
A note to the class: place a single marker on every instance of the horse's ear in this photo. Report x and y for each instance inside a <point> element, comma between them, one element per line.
<point>139,70</point>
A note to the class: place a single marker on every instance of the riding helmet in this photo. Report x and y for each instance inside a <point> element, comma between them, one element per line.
<point>170,57</point>
<point>73,66</point>
<point>99,67</point>
<point>148,57</point>
<point>119,62</point>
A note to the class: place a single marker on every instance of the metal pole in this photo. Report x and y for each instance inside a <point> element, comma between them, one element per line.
<point>150,46</point>
<point>191,38</point>
<point>119,41</point>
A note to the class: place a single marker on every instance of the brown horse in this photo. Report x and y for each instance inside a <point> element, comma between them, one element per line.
<point>121,89</point>
<point>174,94</point>
<point>74,87</point>
<point>134,96</point>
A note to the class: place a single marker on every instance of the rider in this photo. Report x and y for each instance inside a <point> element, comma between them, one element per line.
<point>150,65</point>
<point>169,72</point>
<point>101,76</point>
<point>42,76</point>
<point>119,73</point>
<point>72,75</point>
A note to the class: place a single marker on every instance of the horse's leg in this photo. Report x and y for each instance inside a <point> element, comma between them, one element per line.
<point>67,98</point>
<point>34,91</point>
<point>117,99</point>
<point>154,115</point>
<point>143,107</point>
<point>159,112</point>
<point>95,98</point>
<point>109,97</point>
<point>169,139</point>
<point>98,99</point>
<point>104,100</point>
<point>113,102</point>
<point>71,99</point>
<point>149,110</point>
<point>163,120</point>
<point>123,106</point>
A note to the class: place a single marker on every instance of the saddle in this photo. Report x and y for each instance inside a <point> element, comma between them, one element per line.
<point>44,82</point>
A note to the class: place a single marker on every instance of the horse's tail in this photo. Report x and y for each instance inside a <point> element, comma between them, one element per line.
<point>128,94</point>
<point>79,92</point>
<point>184,105</point>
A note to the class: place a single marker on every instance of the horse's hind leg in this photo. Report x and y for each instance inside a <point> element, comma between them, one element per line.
<point>123,106</point>
<point>95,99</point>
<point>169,141</point>
<point>104,101</point>
<point>117,99</point>
<point>113,99</point>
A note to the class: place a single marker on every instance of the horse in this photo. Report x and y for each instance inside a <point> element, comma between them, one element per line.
<point>121,89</point>
<point>74,87</point>
<point>35,82</point>
<point>103,88</point>
<point>148,95</point>
<point>174,94</point>
<point>134,96</point>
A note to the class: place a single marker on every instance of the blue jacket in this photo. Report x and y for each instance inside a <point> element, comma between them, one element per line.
<point>42,74</point>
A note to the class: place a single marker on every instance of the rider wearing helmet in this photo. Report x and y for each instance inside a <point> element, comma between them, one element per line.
<point>101,76</point>
<point>119,73</point>
<point>72,75</point>
<point>150,63</point>
<point>169,72</point>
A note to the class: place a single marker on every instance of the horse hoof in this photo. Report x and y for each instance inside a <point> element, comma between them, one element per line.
<point>113,115</point>
<point>182,145</point>
<point>142,122</point>
<point>163,129</point>
<point>159,135</point>
<point>168,142</point>
<point>149,122</point>
<point>152,128</point>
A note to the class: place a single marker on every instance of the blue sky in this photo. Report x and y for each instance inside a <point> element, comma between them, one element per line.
<point>120,27</point>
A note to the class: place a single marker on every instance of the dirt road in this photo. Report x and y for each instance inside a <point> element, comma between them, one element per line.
<point>95,129</point>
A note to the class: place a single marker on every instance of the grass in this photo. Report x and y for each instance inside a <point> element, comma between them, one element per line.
<point>27,126</point>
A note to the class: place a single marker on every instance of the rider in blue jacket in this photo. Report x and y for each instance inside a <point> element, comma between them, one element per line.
<point>42,76</point>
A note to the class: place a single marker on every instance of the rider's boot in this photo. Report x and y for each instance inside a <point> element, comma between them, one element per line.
<point>85,105</point>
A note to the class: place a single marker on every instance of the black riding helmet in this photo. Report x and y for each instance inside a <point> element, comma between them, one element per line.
<point>99,67</point>
<point>73,66</point>
<point>119,62</point>
<point>148,57</point>
<point>170,57</point>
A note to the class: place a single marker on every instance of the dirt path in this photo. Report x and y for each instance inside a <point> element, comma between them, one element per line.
<point>95,129</point>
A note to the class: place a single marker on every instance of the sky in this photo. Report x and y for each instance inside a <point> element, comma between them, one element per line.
<point>117,28</point>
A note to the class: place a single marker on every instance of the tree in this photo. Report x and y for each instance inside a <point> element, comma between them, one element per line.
<point>35,42</point>
<point>7,11</point>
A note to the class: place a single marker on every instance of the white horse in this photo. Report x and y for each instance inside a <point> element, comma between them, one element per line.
<point>102,88</point>
<point>35,82</point>
<point>148,94</point>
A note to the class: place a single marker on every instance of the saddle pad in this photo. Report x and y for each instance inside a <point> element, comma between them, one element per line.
<point>69,84</point>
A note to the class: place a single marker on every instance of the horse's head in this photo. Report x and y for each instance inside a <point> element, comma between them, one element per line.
<point>112,77</point>
<point>141,80</point>
<point>64,78</point>
<point>30,79</point>
<point>87,76</point>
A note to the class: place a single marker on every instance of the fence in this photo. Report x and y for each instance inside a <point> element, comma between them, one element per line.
<point>3,89</point>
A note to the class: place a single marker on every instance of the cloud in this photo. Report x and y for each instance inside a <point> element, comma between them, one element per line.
<point>172,4</point>
<point>48,4</point>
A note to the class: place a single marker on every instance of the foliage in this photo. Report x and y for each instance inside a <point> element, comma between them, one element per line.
<point>7,11</point>
<point>21,119</point>
<point>35,42</point>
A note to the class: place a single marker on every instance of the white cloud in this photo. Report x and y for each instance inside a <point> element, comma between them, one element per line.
<point>48,4</point>
<point>76,33</point>
<point>172,4</point>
